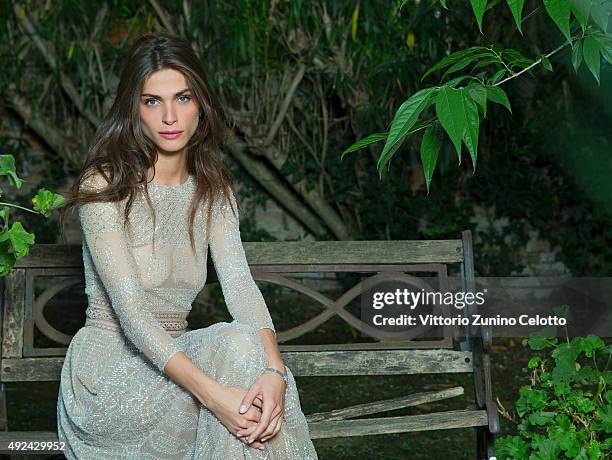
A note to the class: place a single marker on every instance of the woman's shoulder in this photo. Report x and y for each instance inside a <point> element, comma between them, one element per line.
<point>93,181</point>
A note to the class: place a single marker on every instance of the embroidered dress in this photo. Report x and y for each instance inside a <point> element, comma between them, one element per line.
<point>115,402</point>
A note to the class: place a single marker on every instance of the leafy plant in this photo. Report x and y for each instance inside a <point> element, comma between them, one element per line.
<point>566,410</point>
<point>458,109</point>
<point>15,241</point>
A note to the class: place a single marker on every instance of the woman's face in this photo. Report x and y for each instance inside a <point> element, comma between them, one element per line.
<point>168,112</point>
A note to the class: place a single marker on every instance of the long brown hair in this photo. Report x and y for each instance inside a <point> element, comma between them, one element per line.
<point>121,152</point>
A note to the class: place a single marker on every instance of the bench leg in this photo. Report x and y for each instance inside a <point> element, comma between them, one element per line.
<point>3,415</point>
<point>485,441</point>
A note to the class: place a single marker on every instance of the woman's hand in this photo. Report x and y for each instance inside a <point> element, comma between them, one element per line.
<point>270,388</point>
<point>224,404</point>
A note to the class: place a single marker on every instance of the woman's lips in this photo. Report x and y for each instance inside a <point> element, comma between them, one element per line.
<point>171,134</point>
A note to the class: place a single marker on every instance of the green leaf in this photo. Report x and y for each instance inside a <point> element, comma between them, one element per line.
<point>486,62</point>
<point>546,63</point>
<point>559,11</point>
<point>581,9</point>
<point>600,13</point>
<point>499,96</point>
<point>548,449</point>
<point>590,51</point>
<point>577,55</point>
<point>563,311</point>
<point>430,147</point>
<point>539,343</point>
<point>479,8</point>
<point>472,126</point>
<point>570,445</point>
<point>478,92</point>
<point>405,118</point>
<point>46,201</point>
<point>443,3</point>
<point>531,400</point>
<point>371,139</point>
<point>565,366</point>
<point>605,46</point>
<point>455,81</point>
<point>604,415</point>
<point>501,73</point>
<point>590,344</point>
<point>4,215</point>
<point>463,63</point>
<point>511,447</point>
<point>541,418</point>
<point>7,258</point>
<point>515,58</point>
<point>451,113</point>
<point>20,239</point>
<point>544,338</point>
<point>7,168</point>
<point>534,362</point>
<point>516,6</point>
<point>455,57</point>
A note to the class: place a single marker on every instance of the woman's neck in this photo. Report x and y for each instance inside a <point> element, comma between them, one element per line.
<point>170,170</point>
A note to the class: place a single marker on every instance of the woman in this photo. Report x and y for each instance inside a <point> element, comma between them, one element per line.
<point>152,197</point>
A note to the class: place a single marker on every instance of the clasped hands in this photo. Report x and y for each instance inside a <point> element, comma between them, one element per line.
<point>253,416</point>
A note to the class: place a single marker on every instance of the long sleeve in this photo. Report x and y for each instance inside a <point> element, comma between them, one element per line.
<point>103,233</point>
<point>242,296</point>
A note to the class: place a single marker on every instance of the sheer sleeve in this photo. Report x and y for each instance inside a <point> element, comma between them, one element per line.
<point>242,296</point>
<point>103,233</point>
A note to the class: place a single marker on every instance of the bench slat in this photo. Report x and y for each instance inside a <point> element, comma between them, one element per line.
<point>378,362</point>
<point>387,425</point>
<point>377,407</point>
<point>290,252</point>
<point>340,428</point>
<point>302,364</point>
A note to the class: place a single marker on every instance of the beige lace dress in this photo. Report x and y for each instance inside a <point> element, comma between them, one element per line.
<point>115,402</point>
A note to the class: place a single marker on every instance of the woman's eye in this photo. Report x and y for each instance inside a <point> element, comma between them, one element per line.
<point>187,98</point>
<point>149,100</point>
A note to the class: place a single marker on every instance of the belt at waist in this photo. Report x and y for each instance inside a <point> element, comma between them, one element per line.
<point>173,322</point>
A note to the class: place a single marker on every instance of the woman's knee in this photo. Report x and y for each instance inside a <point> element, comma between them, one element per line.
<point>240,347</point>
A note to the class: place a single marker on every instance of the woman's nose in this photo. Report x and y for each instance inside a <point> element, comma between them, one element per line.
<point>169,116</point>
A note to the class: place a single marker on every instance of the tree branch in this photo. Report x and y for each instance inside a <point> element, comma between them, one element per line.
<point>261,172</point>
<point>559,48</point>
<point>285,106</point>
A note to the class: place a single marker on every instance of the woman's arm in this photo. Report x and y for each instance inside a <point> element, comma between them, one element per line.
<point>242,296</point>
<point>271,346</point>
<point>246,305</point>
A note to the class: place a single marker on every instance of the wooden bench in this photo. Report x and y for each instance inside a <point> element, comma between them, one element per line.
<point>274,262</point>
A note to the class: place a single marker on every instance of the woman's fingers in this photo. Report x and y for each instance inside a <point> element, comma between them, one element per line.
<point>256,444</point>
<point>268,431</point>
<point>249,398</point>
<point>273,428</point>
<point>258,402</point>
<point>278,427</point>
<point>266,416</point>
<point>253,414</point>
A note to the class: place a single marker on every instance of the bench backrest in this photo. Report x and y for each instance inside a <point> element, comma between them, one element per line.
<point>23,306</point>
